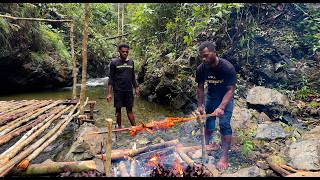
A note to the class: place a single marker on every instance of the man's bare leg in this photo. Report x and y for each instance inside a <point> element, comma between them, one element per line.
<point>118,117</point>
<point>131,116</point>
<point>223,162</point>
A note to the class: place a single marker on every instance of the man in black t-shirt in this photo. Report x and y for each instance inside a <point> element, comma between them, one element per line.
<point>220,76</point>
<point>122,80</point>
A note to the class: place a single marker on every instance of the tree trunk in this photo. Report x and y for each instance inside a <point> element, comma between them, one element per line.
<point>51,167</point>
<point>74,64</point>
<point>84,58</point>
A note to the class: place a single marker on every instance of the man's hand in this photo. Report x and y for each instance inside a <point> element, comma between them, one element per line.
<point>218,112</point>
<point>109,97</point>
<point>137,91</point>
<point>201,110</point>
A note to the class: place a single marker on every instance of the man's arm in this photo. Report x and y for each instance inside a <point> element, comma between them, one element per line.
<point>200,97</point>
<point>110,82</point>
<point>225,100</point>
<point>134,81</point>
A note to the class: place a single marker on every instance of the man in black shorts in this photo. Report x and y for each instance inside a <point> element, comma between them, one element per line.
<point>122,80</point>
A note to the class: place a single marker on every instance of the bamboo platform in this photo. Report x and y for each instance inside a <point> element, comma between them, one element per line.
<point>39,120</point>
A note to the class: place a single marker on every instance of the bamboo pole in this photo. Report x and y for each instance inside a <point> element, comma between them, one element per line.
<point>51,167</point>
<point>57,130</point>
<point>186,158</point>
<point>84,58</point>
<point>18,113</point>
<point>29,137</point>
<point>18,131</point>
<point>108,147</point>
<point>203,142</point>
<point>34,19</point>
<point>17,124</point>
<point>74,64</point>
<point>10,111</point>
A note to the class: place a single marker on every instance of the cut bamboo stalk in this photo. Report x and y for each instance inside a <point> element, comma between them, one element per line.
<point>15,124</point>
<point>29,137</point>
<point>124,153</point>
<point>108,147</point>
<point>123,169</point>
<point>51,167</point>
<point>18,131</point>
<point>18,108</point>
<point>186,158</point>
<point>18,113</point>
<point>132,167</point>
<point>133,153</point>
<point>203,145</point>
<point>57,130</point>
<point>26,110</point>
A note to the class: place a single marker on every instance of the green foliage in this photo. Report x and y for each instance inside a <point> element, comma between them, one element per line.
<point>245,138</point>
<point>304,92</point>
<point>314,104</point>
<point>53,39</point>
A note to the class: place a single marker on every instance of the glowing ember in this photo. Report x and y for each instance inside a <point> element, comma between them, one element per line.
<point>177,167</point>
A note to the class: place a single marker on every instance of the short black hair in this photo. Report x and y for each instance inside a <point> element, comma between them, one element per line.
<point>123,46</point>
<point>207,44</point>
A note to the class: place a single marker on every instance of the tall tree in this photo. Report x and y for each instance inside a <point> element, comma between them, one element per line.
<point>84,57</point>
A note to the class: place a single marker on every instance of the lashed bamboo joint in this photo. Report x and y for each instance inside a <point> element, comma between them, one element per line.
<point>32,118</point>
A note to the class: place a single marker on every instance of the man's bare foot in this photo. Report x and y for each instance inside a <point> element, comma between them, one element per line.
<point>222,164</point>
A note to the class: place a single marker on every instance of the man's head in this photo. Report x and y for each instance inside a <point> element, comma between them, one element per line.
<point>123,51</point>
<point>208,52</point>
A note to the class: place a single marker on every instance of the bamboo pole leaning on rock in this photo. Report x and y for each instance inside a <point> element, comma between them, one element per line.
<point>15,124</point>
<point>19,130</point>
<point>29,137</point>
<point>57,130</point>
<point>51,167</point>
<point>108,147</point>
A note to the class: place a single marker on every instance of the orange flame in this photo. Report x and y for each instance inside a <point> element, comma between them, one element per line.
<point>153,161</point>
<point>177,167</point>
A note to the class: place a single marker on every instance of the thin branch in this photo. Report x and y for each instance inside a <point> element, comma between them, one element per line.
<point>35,19</point>
<point>117,36</point>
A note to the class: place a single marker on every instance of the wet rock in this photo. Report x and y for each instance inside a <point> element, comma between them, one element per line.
<point>85,146</point>
<point>252,171</point>
<point>270,131</point>
<point>263,118</point>
<point>262,164</point>
<point>305,154</point>
<point>264,96</point>
<point>313,134</point>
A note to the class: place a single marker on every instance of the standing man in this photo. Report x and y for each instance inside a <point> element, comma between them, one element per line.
<point>220,76</point>
<point>122,80</point>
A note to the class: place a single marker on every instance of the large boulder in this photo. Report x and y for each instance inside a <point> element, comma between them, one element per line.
<point>264,96</point>
<point>305,154</point>
<point>252,171</point>
<point>85,145</point>
<point>270,131</point>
